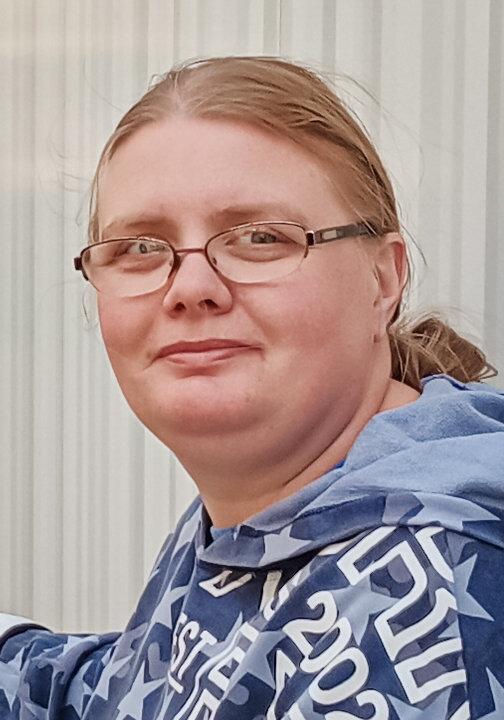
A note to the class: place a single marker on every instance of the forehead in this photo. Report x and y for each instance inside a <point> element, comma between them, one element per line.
<point>215,171</point>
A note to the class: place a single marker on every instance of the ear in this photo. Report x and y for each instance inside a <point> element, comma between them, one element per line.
<point>390,271</point>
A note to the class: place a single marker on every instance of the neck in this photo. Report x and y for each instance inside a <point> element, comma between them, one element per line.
<point>235,486</point>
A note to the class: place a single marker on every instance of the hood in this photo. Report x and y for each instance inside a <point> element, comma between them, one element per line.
<point>437,461</point>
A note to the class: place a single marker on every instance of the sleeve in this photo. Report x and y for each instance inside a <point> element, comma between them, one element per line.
<point>404,624</point>
<point>12,624</point>
<point>41,672</point>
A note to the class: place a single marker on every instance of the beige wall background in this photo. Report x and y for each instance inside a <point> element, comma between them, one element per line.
<point>87,495</point>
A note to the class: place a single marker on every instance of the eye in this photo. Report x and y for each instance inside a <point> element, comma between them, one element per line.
<point>143,246</point>
<point>264,237</point>
<point>258,237</point>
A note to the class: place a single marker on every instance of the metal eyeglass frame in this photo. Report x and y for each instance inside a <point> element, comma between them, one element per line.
<point>313,238</point>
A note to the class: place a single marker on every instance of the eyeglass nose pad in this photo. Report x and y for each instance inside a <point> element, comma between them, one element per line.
<point>175,265</point>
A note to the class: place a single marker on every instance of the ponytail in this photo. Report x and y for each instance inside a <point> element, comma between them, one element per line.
<point>427,345</point>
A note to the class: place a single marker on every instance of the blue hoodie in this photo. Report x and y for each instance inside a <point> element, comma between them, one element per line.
<point>374,592</point>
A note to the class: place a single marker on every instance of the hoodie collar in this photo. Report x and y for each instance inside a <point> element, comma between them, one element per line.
<point>437,461</point>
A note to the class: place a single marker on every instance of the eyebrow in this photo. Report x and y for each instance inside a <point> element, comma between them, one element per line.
<point>131,223</point>
<point>231,215</point>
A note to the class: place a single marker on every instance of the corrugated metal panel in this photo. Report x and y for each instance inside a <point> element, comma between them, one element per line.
<point>87,494</point>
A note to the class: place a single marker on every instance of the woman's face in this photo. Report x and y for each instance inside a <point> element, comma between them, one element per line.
<point>309,338</point>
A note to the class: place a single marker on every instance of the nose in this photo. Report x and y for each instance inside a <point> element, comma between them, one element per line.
<point>195,288</point>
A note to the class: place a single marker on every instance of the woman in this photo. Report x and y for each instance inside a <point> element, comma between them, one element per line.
<point>342,560</point>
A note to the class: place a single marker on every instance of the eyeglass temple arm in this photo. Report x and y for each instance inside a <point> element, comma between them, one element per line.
<point>336,233</point>
<point>79,266</point>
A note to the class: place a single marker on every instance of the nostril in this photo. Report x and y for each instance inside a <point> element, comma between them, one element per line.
<point>206,305</point>
<point>210,304</point>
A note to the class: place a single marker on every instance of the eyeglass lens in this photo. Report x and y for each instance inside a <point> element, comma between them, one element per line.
<point>136,266</point>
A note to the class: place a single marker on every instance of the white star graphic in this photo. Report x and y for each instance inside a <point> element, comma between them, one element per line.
<point>64,661</point>
<point>37,712</point>
<point>111,670</point>
<point>281,545</point>
<point>498,698</point>
<point>120,655</point>
<point>188,531</point>
<point>435,711</point>
<point>358,602</point>
<point>132,702</point>
<point>449,512</point>
<point>10,673</point>
<point>78,689</point>
<point>257,663</point>
<point>162,613</point>
<point>161,713</point>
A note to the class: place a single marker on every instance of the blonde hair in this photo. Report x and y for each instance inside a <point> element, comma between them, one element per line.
<point>293,101</point>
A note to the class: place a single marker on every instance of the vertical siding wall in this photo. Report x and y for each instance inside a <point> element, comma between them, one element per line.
<point>87,496</point>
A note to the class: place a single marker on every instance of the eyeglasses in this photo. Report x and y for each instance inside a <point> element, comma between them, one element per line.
<point>249,253</point>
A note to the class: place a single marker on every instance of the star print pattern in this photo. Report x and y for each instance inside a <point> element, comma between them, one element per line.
<point>498,699</point>
<point>80,691</point>
<point>370,593</point>
<point>10,673</point>
<point>132,704</point>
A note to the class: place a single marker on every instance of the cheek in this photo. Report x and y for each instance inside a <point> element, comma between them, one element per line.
<point>322,313</point>
<point>124,328</point>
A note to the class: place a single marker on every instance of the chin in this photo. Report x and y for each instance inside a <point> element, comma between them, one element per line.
<point>195,422</point>
<point>203,412</point>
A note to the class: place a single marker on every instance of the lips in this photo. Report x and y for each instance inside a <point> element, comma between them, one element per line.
<point>203,351</point>
<point>200,346</point>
